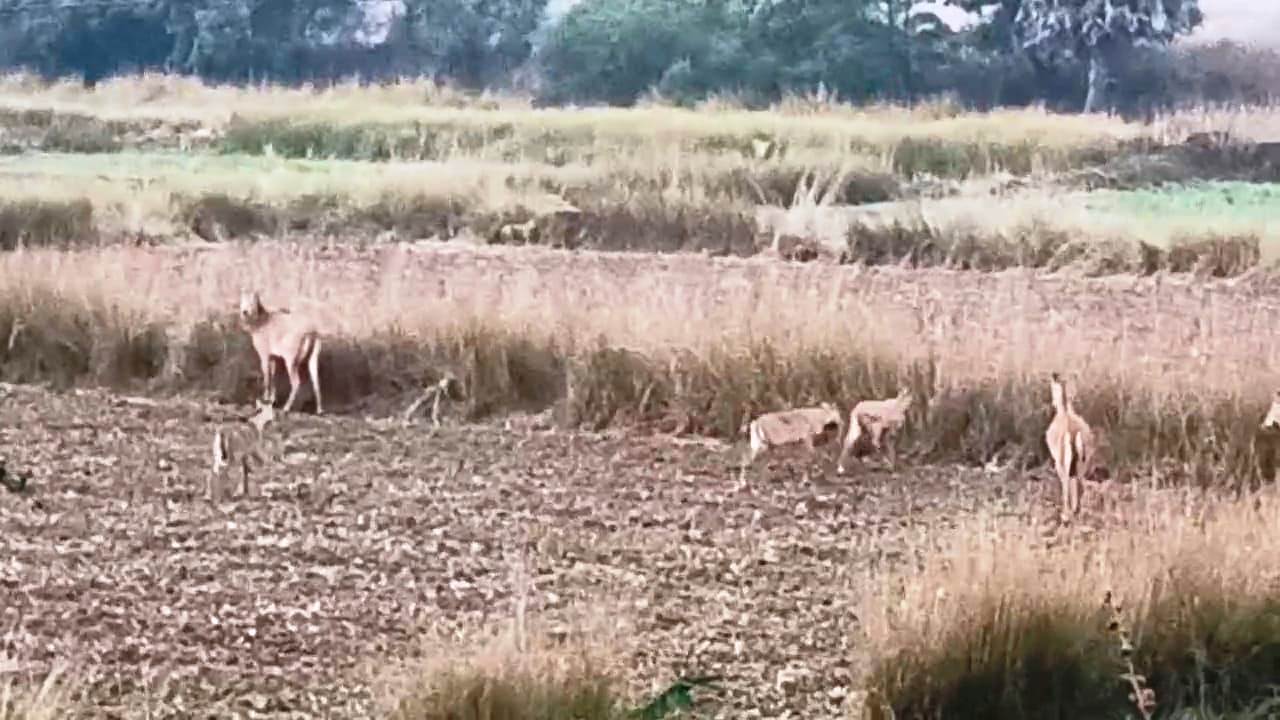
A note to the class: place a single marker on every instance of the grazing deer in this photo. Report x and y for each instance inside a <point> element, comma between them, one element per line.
<point>293,338</point>
<point>236,443</point>
<point>882,421</point>
<point>809,426</point>
<point>1072,445</point>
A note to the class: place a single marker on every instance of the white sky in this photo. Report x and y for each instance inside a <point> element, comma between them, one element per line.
<point>1250,21</point>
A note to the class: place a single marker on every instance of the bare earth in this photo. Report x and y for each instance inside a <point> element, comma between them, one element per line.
<point>366,532</point>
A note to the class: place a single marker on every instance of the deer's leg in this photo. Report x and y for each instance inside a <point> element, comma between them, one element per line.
<point>851,439</point>
<point>267,378</point>
<point>1064,477</point>
<point>313,369</point>
<point>295,382</point>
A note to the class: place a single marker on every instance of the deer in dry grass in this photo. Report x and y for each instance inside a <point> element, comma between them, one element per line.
<point>239,444</point>
<point>1072,445</point>
<point>294,338</point>
<point>809,426</point>
<point>880,421</point>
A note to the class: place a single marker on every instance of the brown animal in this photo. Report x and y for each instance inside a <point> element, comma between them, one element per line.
<point>239,444</point>
<point>1072,445</point>
<point>881,420</point>
<point>525,232</point>
<point>809,426</point>
<point>293,338</point>
<point>1272,420</point>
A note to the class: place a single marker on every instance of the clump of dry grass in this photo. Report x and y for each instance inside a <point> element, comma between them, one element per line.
<point>526,669</point>
<point>996,623</point>
<point>47,700</point>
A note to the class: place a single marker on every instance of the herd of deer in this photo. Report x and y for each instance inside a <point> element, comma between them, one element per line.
<point>294,340</point>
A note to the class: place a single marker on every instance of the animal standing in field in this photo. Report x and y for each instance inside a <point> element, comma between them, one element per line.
<point>809,426</point>
<point>239,443</point>
<point>1072,445</point>
<point>881,421</point>
<point>293,338</point>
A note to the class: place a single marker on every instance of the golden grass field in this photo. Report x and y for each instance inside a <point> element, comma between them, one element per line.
<point>588,465</point>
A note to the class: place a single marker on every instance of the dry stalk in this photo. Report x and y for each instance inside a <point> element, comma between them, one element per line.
<point>433,394</point>
<point>1143,697</point>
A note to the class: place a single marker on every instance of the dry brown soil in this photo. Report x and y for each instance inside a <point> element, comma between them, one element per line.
<point>363,532</point>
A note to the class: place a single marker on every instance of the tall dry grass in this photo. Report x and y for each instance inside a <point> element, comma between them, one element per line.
<point>410,121</point>
<point>48,699</point>
<point>652,203</point>
<point>665,204</point>
<point>526,669</point>
<point>996,622</point>
<point>1175,375</point>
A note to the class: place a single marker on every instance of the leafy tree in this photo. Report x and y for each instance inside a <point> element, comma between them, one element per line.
<point>1101,33</point>
<point>614,50</point>
<point>475,42</point>
<point>91,40</point>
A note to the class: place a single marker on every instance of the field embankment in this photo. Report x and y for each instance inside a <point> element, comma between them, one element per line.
<point>856,215</point>
<point>412,161</point>
<point>411,121</point>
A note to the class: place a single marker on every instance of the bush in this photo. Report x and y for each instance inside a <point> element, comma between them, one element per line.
<point>995,623</point>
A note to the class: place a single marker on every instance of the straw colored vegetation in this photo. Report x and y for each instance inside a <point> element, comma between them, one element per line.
<point>413,120</point>
<point>1213,228</point>
<point>699,203</point>
<point>648,178</point>
<point>45,699</point>
<point>1175,378</point>
<point>996,623</point>
<point>662,203</point>
<point>514,671</point>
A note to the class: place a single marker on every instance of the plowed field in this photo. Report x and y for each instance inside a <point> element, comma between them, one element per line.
<point>361,533</point>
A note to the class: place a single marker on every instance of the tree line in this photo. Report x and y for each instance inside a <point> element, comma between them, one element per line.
<point>1069,54</point>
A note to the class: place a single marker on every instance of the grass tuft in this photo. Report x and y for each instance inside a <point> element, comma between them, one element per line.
<point>996,623</point>
<point>520,672</point>
<point>49,699</point>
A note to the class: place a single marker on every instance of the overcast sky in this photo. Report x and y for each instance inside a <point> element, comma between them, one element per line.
<point>1252,21</point>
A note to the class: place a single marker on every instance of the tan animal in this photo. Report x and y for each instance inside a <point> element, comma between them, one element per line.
<point>809,426</point>
<point>239,443</point>
<point>1072,445</point>
<point>1272,420</point>
<point>293,338</point>
<point>881,420</point>
<point>525,232</point>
